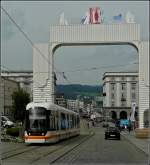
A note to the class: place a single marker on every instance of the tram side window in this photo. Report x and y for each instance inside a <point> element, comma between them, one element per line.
<point>52,121</point>
<point>67,121</point>
<point>70,121</point>
<point>73,122</point>
<point>63,121</point>
<point>78,122</point>
<point>56,121</point>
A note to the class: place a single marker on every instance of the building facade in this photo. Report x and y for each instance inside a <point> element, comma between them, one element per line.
<point>8,87</point>
<point>120,90</point>
<point>24,78</point>
<point>60,100</point>
<point>72,105</point>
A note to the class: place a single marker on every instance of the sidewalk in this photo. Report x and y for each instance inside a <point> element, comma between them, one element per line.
<point>142,144</point>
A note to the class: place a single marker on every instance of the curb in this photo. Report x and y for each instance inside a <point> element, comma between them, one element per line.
<point>135,144</point>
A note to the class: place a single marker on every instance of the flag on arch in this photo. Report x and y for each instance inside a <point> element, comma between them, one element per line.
<point>86,19</point>
<point>92,16</point>
<point>117,17</point>
<point>95,15</point>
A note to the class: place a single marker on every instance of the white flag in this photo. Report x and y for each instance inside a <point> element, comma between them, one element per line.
<point>86,19</point>
<point>62,20</point>
<point>133,106</point>
<point>129,17</point>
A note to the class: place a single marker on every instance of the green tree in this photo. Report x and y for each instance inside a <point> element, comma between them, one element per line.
<point>20,99</point>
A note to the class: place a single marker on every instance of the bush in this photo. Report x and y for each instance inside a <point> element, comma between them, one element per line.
<point>13,131</point>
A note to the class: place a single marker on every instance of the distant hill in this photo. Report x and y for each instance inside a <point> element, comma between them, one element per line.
<point>73,90</point>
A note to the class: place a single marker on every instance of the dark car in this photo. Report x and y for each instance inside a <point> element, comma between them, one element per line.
<point>112,132</point>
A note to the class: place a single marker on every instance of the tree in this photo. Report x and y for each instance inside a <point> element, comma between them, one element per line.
<point>20,99</point>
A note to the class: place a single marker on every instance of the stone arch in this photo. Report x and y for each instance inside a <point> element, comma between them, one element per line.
<point>91,34</point>
<point>113,115</point>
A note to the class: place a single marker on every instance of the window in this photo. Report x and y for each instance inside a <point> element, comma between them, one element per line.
<point>112,103</point>
<point>63,121</point>
<point>133,86</point>
<point>123,97</point>
<point>112,79</point>
<point>72,121</point>
<point>133,96</point>
<point>67,121</point>
<point>78,122</point>
<point>123,86</point>
<point>122,78</point>
<point>112,86</point>
<point>112,96</point>
<point>56,121</point>
<point>52,121</point>
<point>123,103</point>
<point>133,78</point>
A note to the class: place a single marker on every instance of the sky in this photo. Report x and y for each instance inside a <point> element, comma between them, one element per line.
<point>77,63</point>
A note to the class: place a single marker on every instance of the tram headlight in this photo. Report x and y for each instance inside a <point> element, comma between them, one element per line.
<point>29,133</point>
<point>42,133</point>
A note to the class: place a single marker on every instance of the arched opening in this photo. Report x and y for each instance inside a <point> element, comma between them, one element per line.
<point>113,115</point>
<point>75,52</point>
<point>80,61</point>
<point>123,115</point>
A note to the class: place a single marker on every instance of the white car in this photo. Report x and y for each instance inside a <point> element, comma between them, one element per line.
<point>5,122</point>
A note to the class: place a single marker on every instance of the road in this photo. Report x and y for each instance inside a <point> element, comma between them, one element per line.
<point>83,149</point>
<point>98,150</point>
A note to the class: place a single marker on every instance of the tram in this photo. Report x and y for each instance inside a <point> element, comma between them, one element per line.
<point>49,123</point>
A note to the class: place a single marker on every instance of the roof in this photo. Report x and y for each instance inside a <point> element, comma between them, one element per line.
<point>116,74</point>
<point>49,106</point>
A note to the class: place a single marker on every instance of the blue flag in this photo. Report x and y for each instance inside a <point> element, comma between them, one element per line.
<point>118,17</point>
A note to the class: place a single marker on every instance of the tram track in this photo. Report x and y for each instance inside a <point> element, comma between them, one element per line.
<point>21,150</point>
<point>59,148</point>
<point>38,153</point>
<point>71,148</point>
<point>54,155</point>
<point>17,148</point>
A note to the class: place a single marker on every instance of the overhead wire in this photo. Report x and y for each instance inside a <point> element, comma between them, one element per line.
<point>49,62</point>
<point>30,41</point>
<point>27,37</point>
<point>32,44</point>
<point>97,68</point>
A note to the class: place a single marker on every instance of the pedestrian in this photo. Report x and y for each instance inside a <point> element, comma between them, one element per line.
<point>88,124</point>
<point>129,128</point>
<point>93,123</point>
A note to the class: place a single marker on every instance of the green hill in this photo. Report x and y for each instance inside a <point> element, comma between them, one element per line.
<point>74,90</point>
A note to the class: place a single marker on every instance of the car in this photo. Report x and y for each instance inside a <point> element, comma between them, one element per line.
<point>112,132</point>
<point>6,122</point>
<point>105,124</point>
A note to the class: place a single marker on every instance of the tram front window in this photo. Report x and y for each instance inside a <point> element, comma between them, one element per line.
<point>37,119</point>
<point>37,124</point>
